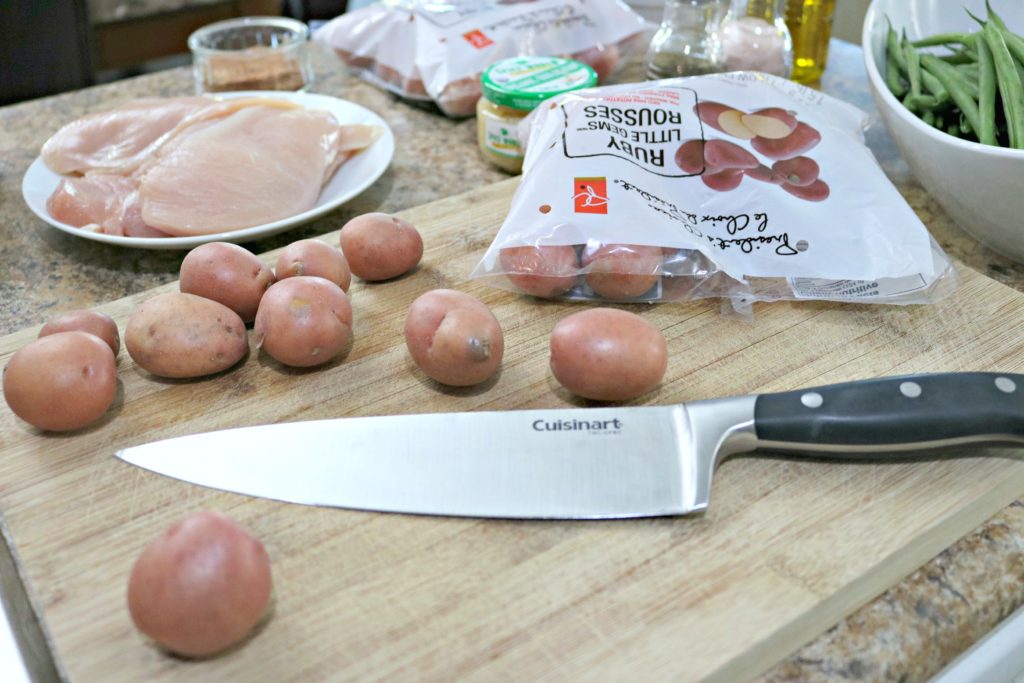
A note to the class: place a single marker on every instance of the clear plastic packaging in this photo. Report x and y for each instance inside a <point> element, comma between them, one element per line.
<point>742,186</point>
<point>436,51</point>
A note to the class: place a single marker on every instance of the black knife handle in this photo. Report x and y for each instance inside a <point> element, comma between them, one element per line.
<point>898,412</point>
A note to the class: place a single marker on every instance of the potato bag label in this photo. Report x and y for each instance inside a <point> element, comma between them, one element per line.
<point>752,186</point>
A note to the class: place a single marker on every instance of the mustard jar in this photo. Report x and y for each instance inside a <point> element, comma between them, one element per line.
<point>512,88</point>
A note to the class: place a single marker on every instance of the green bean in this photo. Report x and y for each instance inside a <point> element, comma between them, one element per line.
<point>1014,42</point>
<point>965,126</point>
<point>1011,91</point>
<point>893,80</point>
<point>920,103</point>
<point>913,67</point>
<point>895,66</point>
<point>953,130</point>
<point>955,84</point>
<point>986,94</point>
<point>943,39</point>
<point>894,53</point>
<point>929,117</point>
<point>959,58</point>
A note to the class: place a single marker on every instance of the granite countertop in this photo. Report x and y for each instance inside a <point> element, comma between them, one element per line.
<point>907,634</point>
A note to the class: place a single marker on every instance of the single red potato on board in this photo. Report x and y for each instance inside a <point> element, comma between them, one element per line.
<point>313,257</point>
<point>607,354</point>
<point>228,274</point>
<point>180,335</point>
<point>100,324</point>
<point>62,381</point>
<point>201,586</point>
<point>303,321</point>
<point>379,246</point>
<point>454,338</point>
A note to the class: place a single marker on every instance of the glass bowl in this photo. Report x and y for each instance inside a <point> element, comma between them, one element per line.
<point>251,53</point>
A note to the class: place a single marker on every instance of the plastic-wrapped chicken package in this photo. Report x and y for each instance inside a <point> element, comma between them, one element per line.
<point>742,186</point>
<point>435,51</point>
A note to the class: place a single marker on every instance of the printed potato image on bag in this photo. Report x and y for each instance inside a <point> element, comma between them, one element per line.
<point>742,186</point>
<point>436,51</point>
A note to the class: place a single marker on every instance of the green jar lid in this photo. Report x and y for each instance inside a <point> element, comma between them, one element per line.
<point>525,82</point>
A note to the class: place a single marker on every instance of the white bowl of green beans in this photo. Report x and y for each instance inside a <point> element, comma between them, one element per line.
<point>950,90</point>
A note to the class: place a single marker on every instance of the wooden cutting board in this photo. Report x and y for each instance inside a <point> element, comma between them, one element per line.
<point>788,548</point>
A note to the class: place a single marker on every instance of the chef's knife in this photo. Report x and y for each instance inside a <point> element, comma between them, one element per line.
<point>583,463</point>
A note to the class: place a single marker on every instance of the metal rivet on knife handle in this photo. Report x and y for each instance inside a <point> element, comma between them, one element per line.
<point>1006,385</point>
<point>812,399</point>
<point>910,389</point>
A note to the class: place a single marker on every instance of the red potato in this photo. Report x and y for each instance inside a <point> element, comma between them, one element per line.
<point>722,154</point>
<point>228,274</point>
<point>723,181</point>
<point>182,335</point>
<point>606,354</point>
<point>387,74</point>
<point>785,117</point>
<point>454,338</point>
<point>62,381</point>
<point>603,59</point>
<point>313,257</point>
<point>303,321</point>
<point>799,171</point>
<point>800,141</point>
<point>818,191</point>
<point>201,586</point>
<point>100,324</point>
<point>732,123</point>
<point>764,174</point>
<point>621,271</point>
<point>709,112</point>
<point>544,271</point>
<point>459,98</point>
<point>414,87</point>
<point>354,61</point>
<point>690,156</point>
<point>379,246</point>
<point>772,123</point>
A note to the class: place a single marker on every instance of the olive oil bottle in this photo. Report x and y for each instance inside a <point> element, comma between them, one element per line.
<point>810,25</point>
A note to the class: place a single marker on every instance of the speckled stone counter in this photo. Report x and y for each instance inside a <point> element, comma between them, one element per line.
<point>907,634</point>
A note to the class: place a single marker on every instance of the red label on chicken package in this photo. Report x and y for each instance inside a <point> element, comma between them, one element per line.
<point>590,195</point>
<point>477,39</point>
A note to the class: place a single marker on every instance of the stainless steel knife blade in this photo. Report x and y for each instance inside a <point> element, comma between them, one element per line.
<point>582,463</point>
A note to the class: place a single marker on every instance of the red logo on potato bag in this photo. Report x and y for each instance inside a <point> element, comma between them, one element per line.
<point>478,39</point>
<point>590,195</point>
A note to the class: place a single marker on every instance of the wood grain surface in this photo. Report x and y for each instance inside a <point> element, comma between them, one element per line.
<point>788,548</point>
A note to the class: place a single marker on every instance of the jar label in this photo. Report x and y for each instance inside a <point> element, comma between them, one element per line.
<point>501,138</point>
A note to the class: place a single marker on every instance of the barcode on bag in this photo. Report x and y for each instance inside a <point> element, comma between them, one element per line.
<point>812,288</point>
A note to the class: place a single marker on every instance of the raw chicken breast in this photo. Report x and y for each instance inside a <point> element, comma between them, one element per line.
<point>104,203</point>
<point>116,141</point>
<point>120,140</point>
<point>196,165</point>
<point>256,166</point>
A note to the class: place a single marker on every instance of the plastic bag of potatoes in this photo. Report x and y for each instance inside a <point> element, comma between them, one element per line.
<point>435,51</point>
<point>742,186</point>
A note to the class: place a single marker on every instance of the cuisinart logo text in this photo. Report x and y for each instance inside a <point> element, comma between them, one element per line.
<point>613,425</point>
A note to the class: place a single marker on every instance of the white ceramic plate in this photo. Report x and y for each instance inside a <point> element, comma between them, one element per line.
<point>354,176</point>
